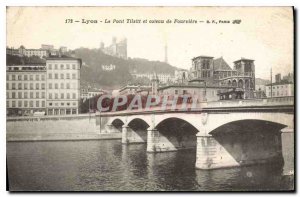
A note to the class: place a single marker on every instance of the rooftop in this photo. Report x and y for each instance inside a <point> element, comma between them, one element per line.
<point>243,59</point>
<point>282,82</point>
<point>221,64</point>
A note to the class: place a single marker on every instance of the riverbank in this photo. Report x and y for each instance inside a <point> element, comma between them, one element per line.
<point>58,128</point>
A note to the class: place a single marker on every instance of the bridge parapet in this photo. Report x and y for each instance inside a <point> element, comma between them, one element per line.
<point>249,102</point>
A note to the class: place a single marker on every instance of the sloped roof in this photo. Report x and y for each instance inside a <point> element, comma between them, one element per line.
<point>220,64</point>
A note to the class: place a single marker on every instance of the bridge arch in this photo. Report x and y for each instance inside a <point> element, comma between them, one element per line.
<point>250,140</point>
<point>175,134</point>
<point>117,123</point>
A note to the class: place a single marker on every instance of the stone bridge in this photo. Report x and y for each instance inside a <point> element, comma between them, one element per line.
<point>224,133</point>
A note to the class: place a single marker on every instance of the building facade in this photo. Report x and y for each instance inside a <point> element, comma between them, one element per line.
<point>281,87</point>
<point>25,89</point>
<point>63,85</point>
<point>217,71</point>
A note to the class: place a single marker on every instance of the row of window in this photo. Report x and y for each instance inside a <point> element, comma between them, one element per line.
<point>62,86</point>
<point>21,104</point>
<point>282,86</point>
<point>61,66</point>
<point>279,94</point>
<point>61,111</point>
<point>25,77</point>
<point>62,96</point>
<point>25,86</point>
<point>62,104</point>
<point>25,95</point>
<point>62,76</point>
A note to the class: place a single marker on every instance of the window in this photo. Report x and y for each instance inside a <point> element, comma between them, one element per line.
<point>68,66</point>
<point>19,95</point>
<point>49,76</point>
<point>25,94</point>
<point>31,86</point>
<point>19,103</point>
<point>13,77</point>
<point>43,103</point>
<point>62,76</point>
<point>73,76</point>
<point>19,86</point>
<point>7,86</point>
<point>31,94</point>
<point>25,103</point>
<point>13,104</point>
<point>31,103</point>
<point>43,77</point>
<point>56,86</point>
<point>50,66</point>
<point>37,77</point>
<point>43,94</point>
<point>74,96</point>
<point>68,86</point>
<point>13,95</point>
<point>176,91</point>
<point>68,76</point>
<point>62,86</point>
<point>68,95</point>
<point>37,95</point>
<point>31,77</point>
<point>62,95</point>
<point>43,86</point>
<point>61,66</point>
<point>56,96</point>
<point>19,77</point>
<point>37,86</point>
<point>73,66</point>
<point>55,66</point>
<point>13,86</point>
<point>37,103</point>
<point>25,77</point>
<point>7,104</point>
<point>50,95</point>
<point>56,76</point>
<point>50,85</point>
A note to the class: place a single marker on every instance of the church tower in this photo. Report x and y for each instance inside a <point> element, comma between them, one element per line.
<point>154,84</point>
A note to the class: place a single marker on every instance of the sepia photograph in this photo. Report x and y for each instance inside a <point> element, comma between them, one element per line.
<point>197,99</point>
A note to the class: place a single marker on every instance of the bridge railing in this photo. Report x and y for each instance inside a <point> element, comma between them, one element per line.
<point>250,102</point>
<point>279,101</point>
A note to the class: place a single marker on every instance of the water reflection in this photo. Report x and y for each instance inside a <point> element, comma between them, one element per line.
<point>111,166</point>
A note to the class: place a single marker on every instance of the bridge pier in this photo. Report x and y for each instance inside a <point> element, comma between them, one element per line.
<point>130,136</point>
<point>112,129</point>
<point>215,152</point>
<point>152,139</point>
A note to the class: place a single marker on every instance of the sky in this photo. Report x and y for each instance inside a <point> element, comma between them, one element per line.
<point>265,34</point>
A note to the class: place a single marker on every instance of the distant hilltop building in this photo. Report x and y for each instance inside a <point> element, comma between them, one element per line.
<point>117,49</point>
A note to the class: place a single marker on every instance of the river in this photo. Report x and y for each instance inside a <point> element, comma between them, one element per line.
<point>107,165</point>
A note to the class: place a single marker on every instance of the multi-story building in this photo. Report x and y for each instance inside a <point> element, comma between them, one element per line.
<point>134,89</point>
<point>117,49</point>
<point>90,93</point>
<point>163,78</point>
<point>42,53</point>
<point>63,85</point>
<point>281,88</point>
<point>25,89</point>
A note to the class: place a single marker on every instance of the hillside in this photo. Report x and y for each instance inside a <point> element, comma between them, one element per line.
<point>93,74</point>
